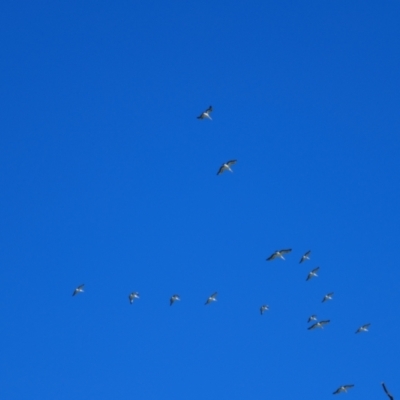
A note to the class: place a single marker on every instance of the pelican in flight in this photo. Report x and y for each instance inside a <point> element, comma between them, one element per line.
<point>226,167</point>
<point>387,391</point>
<point>343,389</point>
<point>363,328</point>
<point>305,257</point>
<point>133,296</point>
<point>327,297</point>
<point>312,273</point>
<point>312,318</point>
<point>173,299</point>
<point>279,254</point>
<point>319,324</point>
<point>206,114</point>
<point>212,298</point>
<point>264,308</point>
<point>79,289</point>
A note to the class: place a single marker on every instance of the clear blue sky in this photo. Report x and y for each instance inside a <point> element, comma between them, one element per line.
<point>108,179</point>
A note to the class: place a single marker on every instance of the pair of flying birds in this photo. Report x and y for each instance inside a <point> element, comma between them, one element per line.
<point>281,253</point>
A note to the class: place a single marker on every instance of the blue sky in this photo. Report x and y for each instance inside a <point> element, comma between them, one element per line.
<point>109,179</point>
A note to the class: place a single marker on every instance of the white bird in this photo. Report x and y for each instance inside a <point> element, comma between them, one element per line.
<point>387,391</point>
<point>312,318</point>
<point>312,273</point>
<point>133,296</point>
<point>363,328</point>
<point>174,298</point>
<point>212,298</point>
<point>79,289</point>
<point>327,297</point>
<point>206,114</point>
<point>319,324</point>
<point>343,389</point>
<point>279,254</point>
<point>305,257</point>
<point>226,167</point>
<point>264,308</point>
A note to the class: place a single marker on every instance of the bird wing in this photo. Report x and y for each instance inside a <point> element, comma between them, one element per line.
<point>315,270</point>
<point>313,326</point>
<point>209,109</point>
<point>231,162</point>
<point>324,322</point>
<point>348,386</point>
<point>387,392</point>
<point>272,256</point>
<point>285,251</point>
<point>222,168</point>
<point>214,295</point>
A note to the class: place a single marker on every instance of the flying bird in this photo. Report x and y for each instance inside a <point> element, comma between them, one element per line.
<point>312,273</point>
<point>363,328</point>
<point>343,389</point>
<point>264,308</point>
<point>387,391</point>
<point>79,289</point>
<point>327,297</point>
<point>305,257</point>
<point>133,296</point>
<point>206,114</point>
<point>279,254</point>
<point>312,318</point>
<point>319,324</point>
<point>174,298</point>
<point>226,167</point>
<point>212,298</point>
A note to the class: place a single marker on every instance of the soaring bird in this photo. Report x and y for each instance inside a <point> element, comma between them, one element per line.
<point>279,254</point>
<point>387,391</point>
<point>133,296</point>
<point>264,308</point>
<point>212,298</point>
<point>363,328</point>
<point>305,257</point>
<point>327,297</point>
<point>312,318</point>
<point>226,167</point>
<point>174,298</point>
<point>343,389</point>
<point>206,114</point>
<point>79,289</point>
<point>312,273</point>
<point>319,324</point>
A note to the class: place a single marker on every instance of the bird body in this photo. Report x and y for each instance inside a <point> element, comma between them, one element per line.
<point>174,298</point>
<point>279,254</point>
<point>133,296</point>
<point>206,114</point>
<point>264,308</point>
<point>212,298</point>
<point>226,167</point>
<point>343,389</point>
<point>79,289</point>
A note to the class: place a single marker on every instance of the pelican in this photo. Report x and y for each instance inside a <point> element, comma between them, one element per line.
<point>206,114</point>
<point>342,389</point>
<point>319,324</point>
<point>212,298</point>
<point>174,298</point>
<point>387,391</point>
<point>305,257</point>
<point>133,296</point>
<point>264,308</point>
<point>327,297</point>
<point>312,318</point>
<point>312,274</point>
<point>363,328</point>
<point>226,167</point>
<point>79,289</point>
<point>279,254</point>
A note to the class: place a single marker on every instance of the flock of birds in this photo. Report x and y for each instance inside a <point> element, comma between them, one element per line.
<point>277,254</point>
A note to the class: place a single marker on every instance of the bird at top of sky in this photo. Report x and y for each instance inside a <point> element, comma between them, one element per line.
<point>226,167</point>
<point>212,298</point>
<point>387,391</point>
<point>319,324</point>
<point>264,308</point>
<point>305,256</point>
<point>206,114</point>
<point>173,299</point>
<point>363,328</point>
<point>343,389</point>
<point>79,289</point>
<point>312,318</point>
<point>312,273</point>
<point>133,296</point>
<point>327,297</point>
<point>279,254</point>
